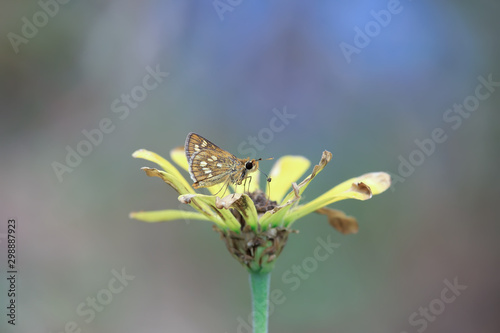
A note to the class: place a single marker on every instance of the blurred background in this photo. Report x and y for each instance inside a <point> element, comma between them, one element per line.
<point>406,87</point>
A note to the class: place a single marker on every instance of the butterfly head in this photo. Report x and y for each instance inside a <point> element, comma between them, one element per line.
<point>251,166</point>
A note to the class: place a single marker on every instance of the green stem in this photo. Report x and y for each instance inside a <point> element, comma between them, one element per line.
<point>259,283</point>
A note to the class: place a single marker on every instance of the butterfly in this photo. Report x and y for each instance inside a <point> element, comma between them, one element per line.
<point>210,165</point>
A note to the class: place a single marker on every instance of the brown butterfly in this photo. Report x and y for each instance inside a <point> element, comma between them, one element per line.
<point>210,165</point>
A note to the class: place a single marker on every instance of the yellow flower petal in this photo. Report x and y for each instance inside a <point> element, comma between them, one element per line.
<point>275,217</point>
<point>179,157</point>
<point>164,164</point>
<point>201,206</point>
<point>378,182</point>
<point>243,204</point>
<point>167,215</point>
<point>223,217</point>
<point>360,188</point>
<point>286,170</point>
<point>168,178</point>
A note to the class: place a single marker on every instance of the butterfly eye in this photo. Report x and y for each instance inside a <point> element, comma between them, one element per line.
<point>249,165</point>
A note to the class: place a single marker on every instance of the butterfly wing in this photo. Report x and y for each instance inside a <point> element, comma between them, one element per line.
<point>196,143</point>
<point>208,164</point>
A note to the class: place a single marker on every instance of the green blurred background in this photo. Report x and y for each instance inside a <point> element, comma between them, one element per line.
<point>230,64</point>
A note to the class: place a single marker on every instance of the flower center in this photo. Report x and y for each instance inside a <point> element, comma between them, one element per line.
<point>262,202</point>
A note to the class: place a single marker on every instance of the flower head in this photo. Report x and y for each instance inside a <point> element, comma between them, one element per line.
<point>255,225</point>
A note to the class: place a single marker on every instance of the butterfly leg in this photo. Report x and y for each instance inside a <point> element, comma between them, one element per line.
<point>244,182</point>
<point>225,186</point>
<point>249,182</point>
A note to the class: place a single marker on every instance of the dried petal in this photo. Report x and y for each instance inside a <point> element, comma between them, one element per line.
<point>325,158</point>
<point>340,221</point>
<point>227,201</point>
<point>186,199</point>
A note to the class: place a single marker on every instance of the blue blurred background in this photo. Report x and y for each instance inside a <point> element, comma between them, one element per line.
<point>370,81</point>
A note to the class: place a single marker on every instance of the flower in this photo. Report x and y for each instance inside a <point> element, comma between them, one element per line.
<point>255,226</point>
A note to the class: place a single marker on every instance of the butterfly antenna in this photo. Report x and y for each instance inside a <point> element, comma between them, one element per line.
<point>269,189</point>
<point>268,179</point>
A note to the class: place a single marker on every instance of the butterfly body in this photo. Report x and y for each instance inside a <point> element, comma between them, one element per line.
<point>210,165</point>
